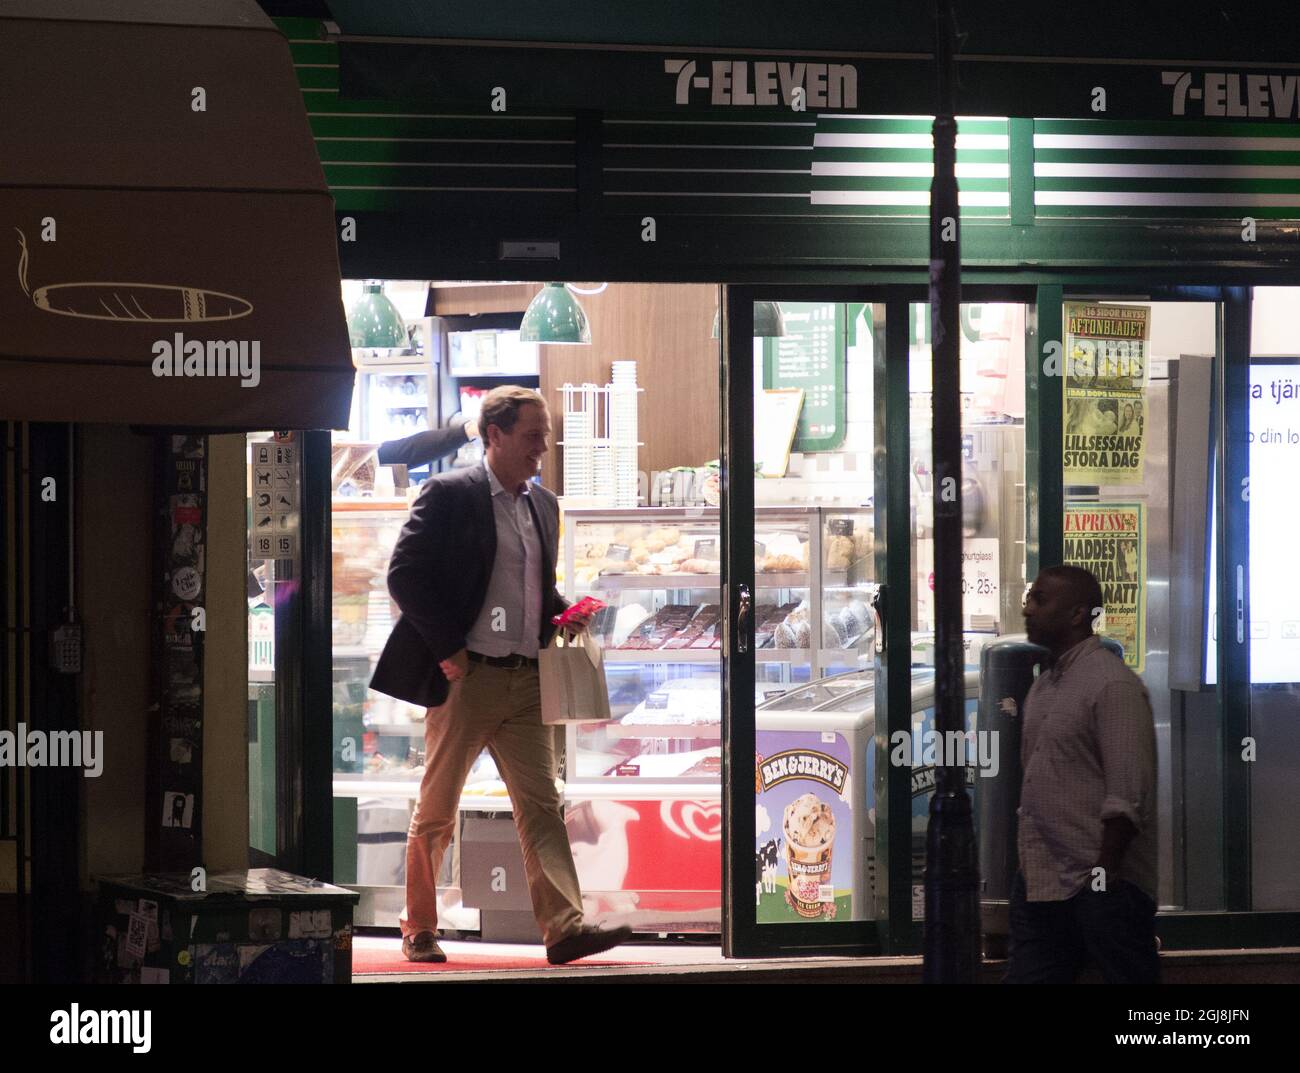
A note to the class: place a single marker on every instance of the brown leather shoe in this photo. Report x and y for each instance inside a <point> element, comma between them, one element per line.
<point>422,947</point>
<point>590,940</point>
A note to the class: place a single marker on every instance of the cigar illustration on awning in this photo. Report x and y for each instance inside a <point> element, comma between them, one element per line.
<point>157,302</point>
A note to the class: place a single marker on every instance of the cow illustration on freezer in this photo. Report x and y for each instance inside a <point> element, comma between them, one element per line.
<point>765,868</point>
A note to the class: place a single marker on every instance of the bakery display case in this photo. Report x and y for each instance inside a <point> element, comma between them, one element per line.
<point>643,789</point>
<point>378,741</point>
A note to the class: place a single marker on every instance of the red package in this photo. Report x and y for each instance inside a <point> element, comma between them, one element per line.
<point>588,605</point>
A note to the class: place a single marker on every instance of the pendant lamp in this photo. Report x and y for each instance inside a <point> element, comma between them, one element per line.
<point>374,323</point>
<point>554,316</point>
<point>768,321</point>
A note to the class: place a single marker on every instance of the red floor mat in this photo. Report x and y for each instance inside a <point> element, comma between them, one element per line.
<point>384,961</point>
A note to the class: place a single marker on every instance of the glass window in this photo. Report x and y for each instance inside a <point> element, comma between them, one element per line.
<point>1138,480</point>
<point>262,583</point>
<point>1274,597</point>
<point>993,531</point>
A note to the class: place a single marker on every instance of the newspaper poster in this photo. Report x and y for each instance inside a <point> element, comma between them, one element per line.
<point>1105,387</point>
<point>1110,540</point>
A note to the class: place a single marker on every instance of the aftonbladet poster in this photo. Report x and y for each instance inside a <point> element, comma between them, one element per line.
<point>1105,372</point>
<point>1110,540</point>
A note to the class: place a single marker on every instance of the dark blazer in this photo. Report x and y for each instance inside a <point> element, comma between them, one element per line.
<point>424,447</point>
<point>439,577</point>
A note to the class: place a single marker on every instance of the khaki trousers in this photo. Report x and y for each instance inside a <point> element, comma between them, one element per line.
<point>499,709</point>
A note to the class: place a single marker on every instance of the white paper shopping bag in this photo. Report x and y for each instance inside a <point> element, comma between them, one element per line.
<point>573,681</point>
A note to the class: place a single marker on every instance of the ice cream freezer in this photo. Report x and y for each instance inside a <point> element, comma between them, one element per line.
<point>817,858</point>
<point>649,852</point>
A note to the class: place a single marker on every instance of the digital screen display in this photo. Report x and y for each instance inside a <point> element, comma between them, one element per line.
<point>1274,564</point>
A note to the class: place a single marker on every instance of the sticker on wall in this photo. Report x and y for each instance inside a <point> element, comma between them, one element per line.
<point>136,938</point>
<point>189,446</point>
<point>264,925</point>
<point>178,810</point>
<point>184,679</point>
<point>310,924</point>
<point>178,631</point>
<point>187,583</point>
<point>181,751</point>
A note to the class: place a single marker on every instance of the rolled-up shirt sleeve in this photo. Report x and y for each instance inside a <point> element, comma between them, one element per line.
<point>1126,740</point>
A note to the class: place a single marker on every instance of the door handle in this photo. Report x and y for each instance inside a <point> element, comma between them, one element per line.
<point>1241,604</point>
<point>744,619</point>
<point>879,615</point>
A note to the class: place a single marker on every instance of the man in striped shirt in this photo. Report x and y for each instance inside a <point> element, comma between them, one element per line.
<point>1087,819</point>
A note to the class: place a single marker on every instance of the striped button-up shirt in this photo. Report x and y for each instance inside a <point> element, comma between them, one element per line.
<point>1088,753</point>
<point>511,619</point>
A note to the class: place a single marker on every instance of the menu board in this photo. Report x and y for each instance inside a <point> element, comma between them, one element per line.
<point>811,356</point>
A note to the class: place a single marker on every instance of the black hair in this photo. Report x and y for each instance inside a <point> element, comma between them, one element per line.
<point>1084,588</point>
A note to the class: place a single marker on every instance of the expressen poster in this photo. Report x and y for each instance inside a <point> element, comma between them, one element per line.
<point>1105,375</point>
<point>1109,539</point>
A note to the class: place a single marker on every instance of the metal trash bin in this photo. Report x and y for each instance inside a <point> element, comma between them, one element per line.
<point>1008,667</point>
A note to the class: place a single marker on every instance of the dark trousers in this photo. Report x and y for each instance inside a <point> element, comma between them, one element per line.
<point>1114,929</point>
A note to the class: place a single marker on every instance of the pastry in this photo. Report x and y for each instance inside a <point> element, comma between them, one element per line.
<point>839,552</point>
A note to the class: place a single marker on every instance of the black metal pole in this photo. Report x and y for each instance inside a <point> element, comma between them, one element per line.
<point>952,933</point>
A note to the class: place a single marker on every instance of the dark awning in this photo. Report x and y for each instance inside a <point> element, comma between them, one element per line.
<point>139,227</point>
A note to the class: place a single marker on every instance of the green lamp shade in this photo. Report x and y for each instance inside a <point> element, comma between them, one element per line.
<point>768,321</point>
<point>554,316</point>
<point>374,323</point>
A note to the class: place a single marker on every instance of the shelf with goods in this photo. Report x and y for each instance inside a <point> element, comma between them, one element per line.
<point>369,729</point>
<point>658,571</point>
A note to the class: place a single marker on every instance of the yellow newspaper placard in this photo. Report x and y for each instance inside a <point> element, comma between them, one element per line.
<point>1109,539</point>
<point>1105,388</point>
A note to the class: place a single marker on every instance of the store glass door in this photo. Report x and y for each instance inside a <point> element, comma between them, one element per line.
<point>807,573</point>
<point>1267,731</point>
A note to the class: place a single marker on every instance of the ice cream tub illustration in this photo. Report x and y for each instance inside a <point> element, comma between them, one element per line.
<point>809,825</point>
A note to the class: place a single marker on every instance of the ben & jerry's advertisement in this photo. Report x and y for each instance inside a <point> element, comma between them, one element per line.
<point>804,854</point>
<point>1105,384</point>
<point>1110,540</point>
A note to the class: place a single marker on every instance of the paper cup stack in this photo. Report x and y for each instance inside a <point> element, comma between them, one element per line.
<point>623,429</point>
<point>579,438</point>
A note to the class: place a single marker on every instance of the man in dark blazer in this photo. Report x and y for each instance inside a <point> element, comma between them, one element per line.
<point>421,448</point>
<point>474,575</point>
